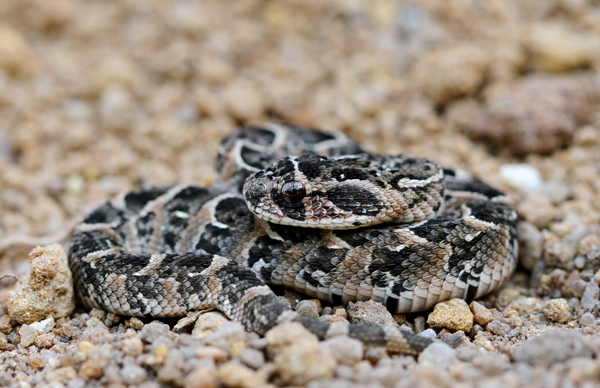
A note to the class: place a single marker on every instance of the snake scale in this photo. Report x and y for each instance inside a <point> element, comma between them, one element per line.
<point>330,221</point>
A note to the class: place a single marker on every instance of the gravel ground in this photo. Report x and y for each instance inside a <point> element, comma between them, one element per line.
<point>99,97</point>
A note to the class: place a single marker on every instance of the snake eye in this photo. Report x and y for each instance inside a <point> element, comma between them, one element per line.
<point>294,191</point>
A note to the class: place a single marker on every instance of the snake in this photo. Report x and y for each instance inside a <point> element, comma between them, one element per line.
<point>306,209</point>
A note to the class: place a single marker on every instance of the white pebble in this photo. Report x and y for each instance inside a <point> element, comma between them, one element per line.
<point>43,326</point>
<point>429,333</point>
<point>438,355</point>
<point>522,177</point>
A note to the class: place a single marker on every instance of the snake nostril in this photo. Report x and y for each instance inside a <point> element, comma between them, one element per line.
<point>260,188</point>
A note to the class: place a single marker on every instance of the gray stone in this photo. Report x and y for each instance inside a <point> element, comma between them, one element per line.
<point>419,324</point>
<point>438,355</point>
<point>590,295</point>
<point>308,308</point>
<point>429,333</point>
<point>531,243</point>
<point>252,358</point>
<point>551,348</point>
<point>498,327</point>
<point>370,313</point>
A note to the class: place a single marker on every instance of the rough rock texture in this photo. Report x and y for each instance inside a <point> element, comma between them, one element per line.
<point>47,291</point>
<point>539,114</point>
<point>452,315</point>
<point>370,313</point>
<point>557,310</point>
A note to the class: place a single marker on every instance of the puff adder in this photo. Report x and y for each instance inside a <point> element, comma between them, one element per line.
<point>337,224</point>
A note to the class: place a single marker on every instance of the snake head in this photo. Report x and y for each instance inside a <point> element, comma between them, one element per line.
<point>277,194</point>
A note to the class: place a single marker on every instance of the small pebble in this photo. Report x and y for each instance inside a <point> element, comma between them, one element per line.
<point>43,326</point>
<point>133,346</point>
<point>97,313</point>
<point>428,333</point>
<point>211,352</point>
<point>229,337</point>
<point>482,315</point>
<point>589,299</point>
<point>3,341</point>
<point>252,358</point>
<point>340,311</point>
<point>135,323</point>
<point>345,350</point>
<point>498,327</point>
<point>452,315</point>
<point>557,310</point>
<point>523,177</point>
<point>419,324</point>
<point>286,334</point>
<point>235,375</point>
<point>28,335</point>
<point>308,308</point>
<point>44,341</point>
<point>133,374</point>
<point>438,355</point>
<point>5,324</point>
<point>93,368</point>
<point>370,313</point>
<point>76,383</point>
<point>204,377</point>
<point>208,323</point>
<point>61,375</point>
<point>330,318</point>
<point>484,343</point>
<point>304,361</point>
<point>587,319</point>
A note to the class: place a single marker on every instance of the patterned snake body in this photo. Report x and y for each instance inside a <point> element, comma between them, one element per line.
<point>166,251</point>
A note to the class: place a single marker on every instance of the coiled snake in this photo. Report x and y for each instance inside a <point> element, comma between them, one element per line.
<point>343,226</point>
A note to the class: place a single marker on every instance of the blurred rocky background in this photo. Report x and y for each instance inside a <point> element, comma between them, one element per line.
<point>98,97</point>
